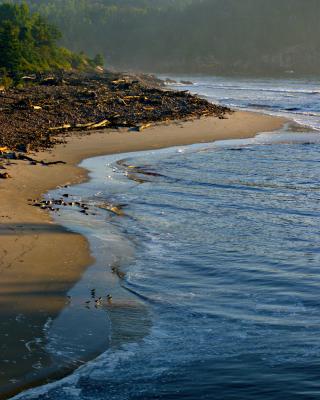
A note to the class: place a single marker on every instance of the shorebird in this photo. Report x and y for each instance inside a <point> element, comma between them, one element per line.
<point>109,297</point>
<point>98,302</point>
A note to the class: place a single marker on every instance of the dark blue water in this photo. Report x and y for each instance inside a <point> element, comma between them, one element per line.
<point>298,99</point>
<point>226,261</point>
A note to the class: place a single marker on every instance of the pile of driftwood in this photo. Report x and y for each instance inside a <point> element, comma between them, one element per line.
<point>38,114</point>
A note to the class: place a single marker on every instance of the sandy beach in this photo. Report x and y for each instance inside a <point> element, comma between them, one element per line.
<point>40,260</point>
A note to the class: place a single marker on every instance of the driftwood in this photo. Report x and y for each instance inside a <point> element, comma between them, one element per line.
<point>23,157</point>
<point>47,163</point>
<point>114,208</point>
<point>88,125</point>
<point>37,115</point>
<point>141,128</point>
<point>101,124</point>
<point>60,128</point>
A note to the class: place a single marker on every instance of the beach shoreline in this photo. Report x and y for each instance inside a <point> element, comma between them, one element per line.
<point>41,260</point>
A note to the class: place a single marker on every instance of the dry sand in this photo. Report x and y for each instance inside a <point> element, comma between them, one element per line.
<point>40,260</point>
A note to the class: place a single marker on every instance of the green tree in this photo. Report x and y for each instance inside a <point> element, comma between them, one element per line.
<point>10,47</point>
<point>98,60</point>
<point>29,43</point>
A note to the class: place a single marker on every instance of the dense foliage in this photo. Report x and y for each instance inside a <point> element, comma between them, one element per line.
<point>254,36</point>
<point>28,43</point>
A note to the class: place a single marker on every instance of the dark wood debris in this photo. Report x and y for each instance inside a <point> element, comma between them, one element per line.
<point>39,114</point>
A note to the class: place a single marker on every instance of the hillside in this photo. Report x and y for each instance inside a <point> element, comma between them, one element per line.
<point>28,43</point>
<point>210,36</point>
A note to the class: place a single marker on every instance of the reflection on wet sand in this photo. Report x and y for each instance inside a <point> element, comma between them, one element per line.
<point>46,330</point>
<point>33,290</point>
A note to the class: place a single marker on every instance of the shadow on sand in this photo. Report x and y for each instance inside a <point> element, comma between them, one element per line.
<point>30,228</point>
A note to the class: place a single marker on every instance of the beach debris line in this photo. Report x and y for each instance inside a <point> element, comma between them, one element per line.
<point>50,106</point>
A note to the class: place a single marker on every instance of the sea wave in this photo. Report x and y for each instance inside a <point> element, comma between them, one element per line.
<point>258,89</point>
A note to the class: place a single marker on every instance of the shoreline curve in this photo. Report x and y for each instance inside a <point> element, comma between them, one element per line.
<point>41,260</point>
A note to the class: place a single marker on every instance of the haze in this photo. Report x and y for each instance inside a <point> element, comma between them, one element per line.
<point>254,37</point>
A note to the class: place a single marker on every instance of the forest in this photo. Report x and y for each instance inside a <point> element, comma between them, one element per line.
<point>29,43</point>
<point>192,36</point>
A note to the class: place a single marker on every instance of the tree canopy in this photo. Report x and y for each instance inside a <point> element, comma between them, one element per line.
<point>28,43</point>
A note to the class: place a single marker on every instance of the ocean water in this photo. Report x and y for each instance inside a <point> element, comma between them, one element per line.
<point>219,253</point>
<point>297,99</point>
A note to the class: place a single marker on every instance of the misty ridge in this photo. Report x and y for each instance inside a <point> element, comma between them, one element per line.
<point>256,37</point>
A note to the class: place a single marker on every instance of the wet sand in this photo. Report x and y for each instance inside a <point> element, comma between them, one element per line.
<point>40,260</point>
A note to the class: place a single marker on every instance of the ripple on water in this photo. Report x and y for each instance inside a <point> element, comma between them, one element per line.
<point>227,261</point>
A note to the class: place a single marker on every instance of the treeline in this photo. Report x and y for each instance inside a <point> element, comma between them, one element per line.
<point>29,43</point>
<point>211,36</point>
